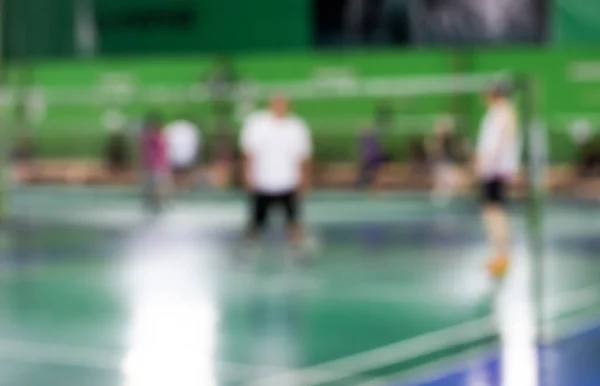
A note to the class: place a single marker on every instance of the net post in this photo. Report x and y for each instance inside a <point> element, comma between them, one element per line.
<point>535,173</point>
<point>4,136</point>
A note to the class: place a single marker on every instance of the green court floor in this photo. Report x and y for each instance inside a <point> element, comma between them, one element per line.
<point>93,291</point>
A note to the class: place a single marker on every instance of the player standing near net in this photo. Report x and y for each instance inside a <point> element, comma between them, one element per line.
<point>277,149</point>
<point>497,164</point>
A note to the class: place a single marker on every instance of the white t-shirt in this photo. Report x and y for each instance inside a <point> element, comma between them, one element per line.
<point>491,163</point>
<point>277,147</point>
<point>183,143</point>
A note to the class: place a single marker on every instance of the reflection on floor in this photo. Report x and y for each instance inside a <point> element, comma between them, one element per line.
<point>396,295</point>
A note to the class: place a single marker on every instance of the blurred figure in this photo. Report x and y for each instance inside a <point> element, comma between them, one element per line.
<point>444,150</point>
<point>221,83</point>
<point>418,154</point>
<point>155,163</point>
<point>277,151</point>
<point>223,158</point>
<point>21,161</point>
<point>117,153</point>
<point>371,158</point>
<point>184,144</point>
<point>587,148</point>
<point>497,163</point>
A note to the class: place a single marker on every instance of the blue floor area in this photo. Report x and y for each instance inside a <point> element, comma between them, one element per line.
<point>571,361</point>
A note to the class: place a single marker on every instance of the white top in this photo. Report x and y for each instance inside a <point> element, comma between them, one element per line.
<point>277,147</point>
<point>495,157</point>
<point>183,142</point>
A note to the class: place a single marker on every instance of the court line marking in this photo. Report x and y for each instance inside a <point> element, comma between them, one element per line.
<point>572,301</point>
<point>103,359</point>
<point>438,369</point>
<point>418,346</point>
<point>397,352</point>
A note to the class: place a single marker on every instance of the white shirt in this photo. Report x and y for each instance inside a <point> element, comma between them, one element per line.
<point>277,147</point>
<point>491,163</point>
<point>183,142</point>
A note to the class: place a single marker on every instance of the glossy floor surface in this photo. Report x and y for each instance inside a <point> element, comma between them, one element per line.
<point>93,291</point>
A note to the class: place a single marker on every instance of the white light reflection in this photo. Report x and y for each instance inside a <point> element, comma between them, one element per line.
<point>516,319</point>
<point>172,344</point>
<point>172,334</point>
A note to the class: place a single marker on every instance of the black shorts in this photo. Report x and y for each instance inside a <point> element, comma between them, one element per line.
<point>494,191</point>
<point>262,203</point>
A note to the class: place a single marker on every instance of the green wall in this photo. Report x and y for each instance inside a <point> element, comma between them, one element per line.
<point>568,89</point>
<point>167,26</point>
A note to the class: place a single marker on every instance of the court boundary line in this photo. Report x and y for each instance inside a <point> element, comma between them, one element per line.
<point>102,359</point>
<point>396,352</point>
<point>571,328</point>
<point>381,356</point>
<point>438,369</point>
<point>105,359</point>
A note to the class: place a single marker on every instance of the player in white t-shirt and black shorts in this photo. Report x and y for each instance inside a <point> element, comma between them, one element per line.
<point>497,165</point>
<point>277,149</point>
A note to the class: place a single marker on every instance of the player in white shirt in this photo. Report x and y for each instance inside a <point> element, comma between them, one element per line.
<point>277,150</point>
<point>497,164</point>
<point>183,143</point>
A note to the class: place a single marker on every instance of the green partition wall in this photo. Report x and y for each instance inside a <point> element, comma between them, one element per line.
<point>75,99</point>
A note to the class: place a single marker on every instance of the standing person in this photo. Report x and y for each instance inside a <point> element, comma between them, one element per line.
<point>277,149</point>
<point>21,161</point>
<point>497,163</point>
<point>155,163</point>
<point>222,158</point>
<point>184,144</point>
<point>371,158</point>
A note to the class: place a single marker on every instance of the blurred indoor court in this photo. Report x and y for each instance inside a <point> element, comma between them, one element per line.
<point>131,251</point>
<point>93,292</point>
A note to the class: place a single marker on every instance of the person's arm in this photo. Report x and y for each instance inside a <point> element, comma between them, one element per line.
<point>246,171</point>
<point>246,153</point>
<point>307,150</point>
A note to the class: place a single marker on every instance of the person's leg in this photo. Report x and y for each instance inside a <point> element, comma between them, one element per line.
<point>444,183</point>
<point>497,226</point>
<point>151,192</point>
<point>165,186</point>
<point>291,203</point>
<point>259,207</point>
<point>496,223</point>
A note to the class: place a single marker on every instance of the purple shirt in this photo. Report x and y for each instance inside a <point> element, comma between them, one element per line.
<point>154,150</point>
<point>370,149</point>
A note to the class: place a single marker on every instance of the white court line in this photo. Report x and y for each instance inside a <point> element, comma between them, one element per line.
<point>109,360</point>
<point>446,366</point>
<point>438,369</point>
<point>102,359</point>
<point>387,355</point>
<point>418,346</point>
<point>572,301</point>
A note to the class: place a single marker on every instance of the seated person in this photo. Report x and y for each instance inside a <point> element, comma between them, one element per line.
<point>372,157</point>
<point>117,153</point>
<point>21,159</point>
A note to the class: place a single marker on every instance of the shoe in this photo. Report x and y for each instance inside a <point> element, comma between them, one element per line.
<point>498,266</point>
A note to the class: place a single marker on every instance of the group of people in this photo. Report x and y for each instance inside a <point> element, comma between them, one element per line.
<point>276,148</point>
<point>173,152</point>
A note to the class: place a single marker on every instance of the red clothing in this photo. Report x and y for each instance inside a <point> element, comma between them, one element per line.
<point>154,151</point>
